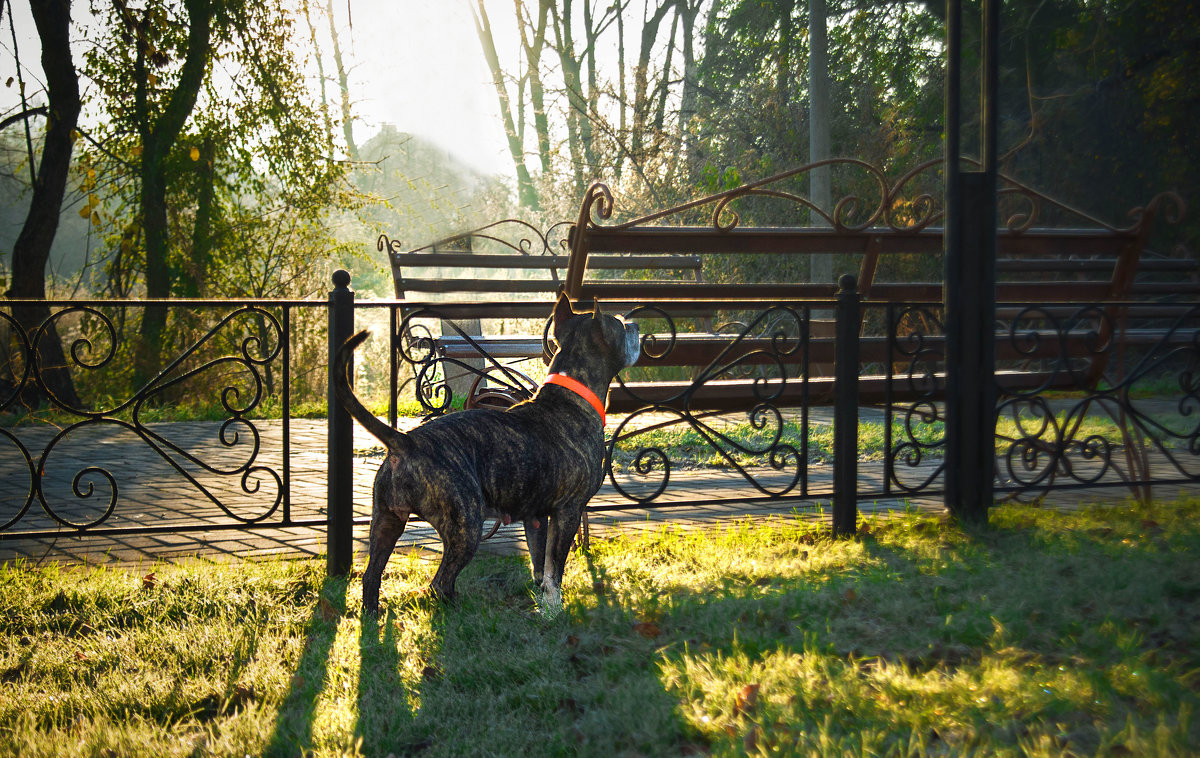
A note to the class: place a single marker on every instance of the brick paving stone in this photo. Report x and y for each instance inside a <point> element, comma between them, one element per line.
<point>151,492</point>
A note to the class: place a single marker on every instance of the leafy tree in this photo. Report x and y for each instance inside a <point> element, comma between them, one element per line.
<point>1101,100</point>
<point>220,150</point>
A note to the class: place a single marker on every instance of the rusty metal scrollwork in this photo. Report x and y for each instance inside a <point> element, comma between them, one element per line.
<point>647,471</point>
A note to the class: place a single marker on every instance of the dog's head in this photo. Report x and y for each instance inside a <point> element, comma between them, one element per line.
<point>608,336</point>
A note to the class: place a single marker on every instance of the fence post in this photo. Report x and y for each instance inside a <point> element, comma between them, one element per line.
<point>970,283</point>
<point>340,514</point>
<point>845,409</point>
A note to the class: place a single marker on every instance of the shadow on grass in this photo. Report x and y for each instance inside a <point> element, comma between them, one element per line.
<point>1088,637</point>
<point>385,717</point>
<point>294,722</point>
<point>917,637</point>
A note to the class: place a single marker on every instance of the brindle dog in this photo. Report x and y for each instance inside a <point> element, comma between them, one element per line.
<point>538,462</point>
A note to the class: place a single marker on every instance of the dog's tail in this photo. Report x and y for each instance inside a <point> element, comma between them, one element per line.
<point>341,385</point>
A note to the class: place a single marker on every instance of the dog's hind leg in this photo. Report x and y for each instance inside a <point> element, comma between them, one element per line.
<point>386,527</point>
<point>460,530</point>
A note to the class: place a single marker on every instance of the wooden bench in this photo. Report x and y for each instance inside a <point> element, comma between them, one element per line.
<point>518,270</point>
<point>1056,270</point>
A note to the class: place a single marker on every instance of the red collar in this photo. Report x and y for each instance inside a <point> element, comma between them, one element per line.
<point>576,386</point>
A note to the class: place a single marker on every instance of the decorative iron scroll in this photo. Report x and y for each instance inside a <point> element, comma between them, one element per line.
<point>511,234</point>
<point>909,203</point>
<point>432,369</point>
<point>786,332</point>
<point>916,341</point>
<point>1121,406</point>
<point>259,340</point>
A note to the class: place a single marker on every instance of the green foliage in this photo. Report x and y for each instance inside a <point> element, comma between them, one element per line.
<point>885,70</point>
<point>251,178</point>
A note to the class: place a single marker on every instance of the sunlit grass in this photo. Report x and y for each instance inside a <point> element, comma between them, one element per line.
<point>1047,634</point>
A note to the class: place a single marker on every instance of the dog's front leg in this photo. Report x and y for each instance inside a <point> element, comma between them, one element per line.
<point>535,540</point>
<point>563,526</point>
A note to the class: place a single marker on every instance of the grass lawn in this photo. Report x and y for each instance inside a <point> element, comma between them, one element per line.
<point>1048,634</point>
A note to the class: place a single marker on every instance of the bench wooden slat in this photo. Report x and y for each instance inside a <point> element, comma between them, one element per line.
<point>738,395</point>
<point>543,262</point>
<point>815,240</point>
<point>700,349</point>
<point>506,286</point>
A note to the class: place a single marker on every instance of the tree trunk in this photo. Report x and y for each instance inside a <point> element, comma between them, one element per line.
<point>534,43</point>
<point>622,101</point>
<point>196,274</point>
<point>32,248</point>
<point>343,84</point>
<point>687,99</point>
<point>577,122</point>
<point>641,80</point>
<point>158,137</point>
<point>526,193</point>
<point>818,126</point>
<point>664,83</point>
<point>320,61</point>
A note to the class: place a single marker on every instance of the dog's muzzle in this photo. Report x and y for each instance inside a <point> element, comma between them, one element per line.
<point>633,346</point>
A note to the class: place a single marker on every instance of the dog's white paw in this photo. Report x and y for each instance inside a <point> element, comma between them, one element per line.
<point>551,601</point>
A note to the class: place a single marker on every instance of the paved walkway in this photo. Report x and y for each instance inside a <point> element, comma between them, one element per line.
<point>196,486</point>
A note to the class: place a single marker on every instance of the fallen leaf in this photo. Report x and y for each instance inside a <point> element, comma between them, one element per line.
<point>849,596</point>
<point>747,699</point>
<point>570,705</point>
<point>572,640</point>
<point>750,741</point>
<point>647,629</point>
<point>149,581</point>
<point>328,612</point>
<point>429,673</point>
<point>80,655</point>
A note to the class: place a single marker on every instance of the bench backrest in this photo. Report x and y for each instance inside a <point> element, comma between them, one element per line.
<point>1099,262</point>
<point>526,264</point>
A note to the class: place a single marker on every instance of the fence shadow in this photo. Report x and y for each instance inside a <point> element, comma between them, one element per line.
<point>294,722</point>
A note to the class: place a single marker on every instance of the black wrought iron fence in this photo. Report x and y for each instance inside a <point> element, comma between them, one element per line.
<point>1103,396</point>
<point>105,459</point>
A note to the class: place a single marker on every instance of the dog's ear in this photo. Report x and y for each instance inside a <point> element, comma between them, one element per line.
<point>562,310</point>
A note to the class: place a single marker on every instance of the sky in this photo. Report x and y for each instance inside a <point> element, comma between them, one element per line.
<point>419,66</point>
<point>416,64</point>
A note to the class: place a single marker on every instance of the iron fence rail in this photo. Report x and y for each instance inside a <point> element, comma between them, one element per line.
<point>1088,397</point>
